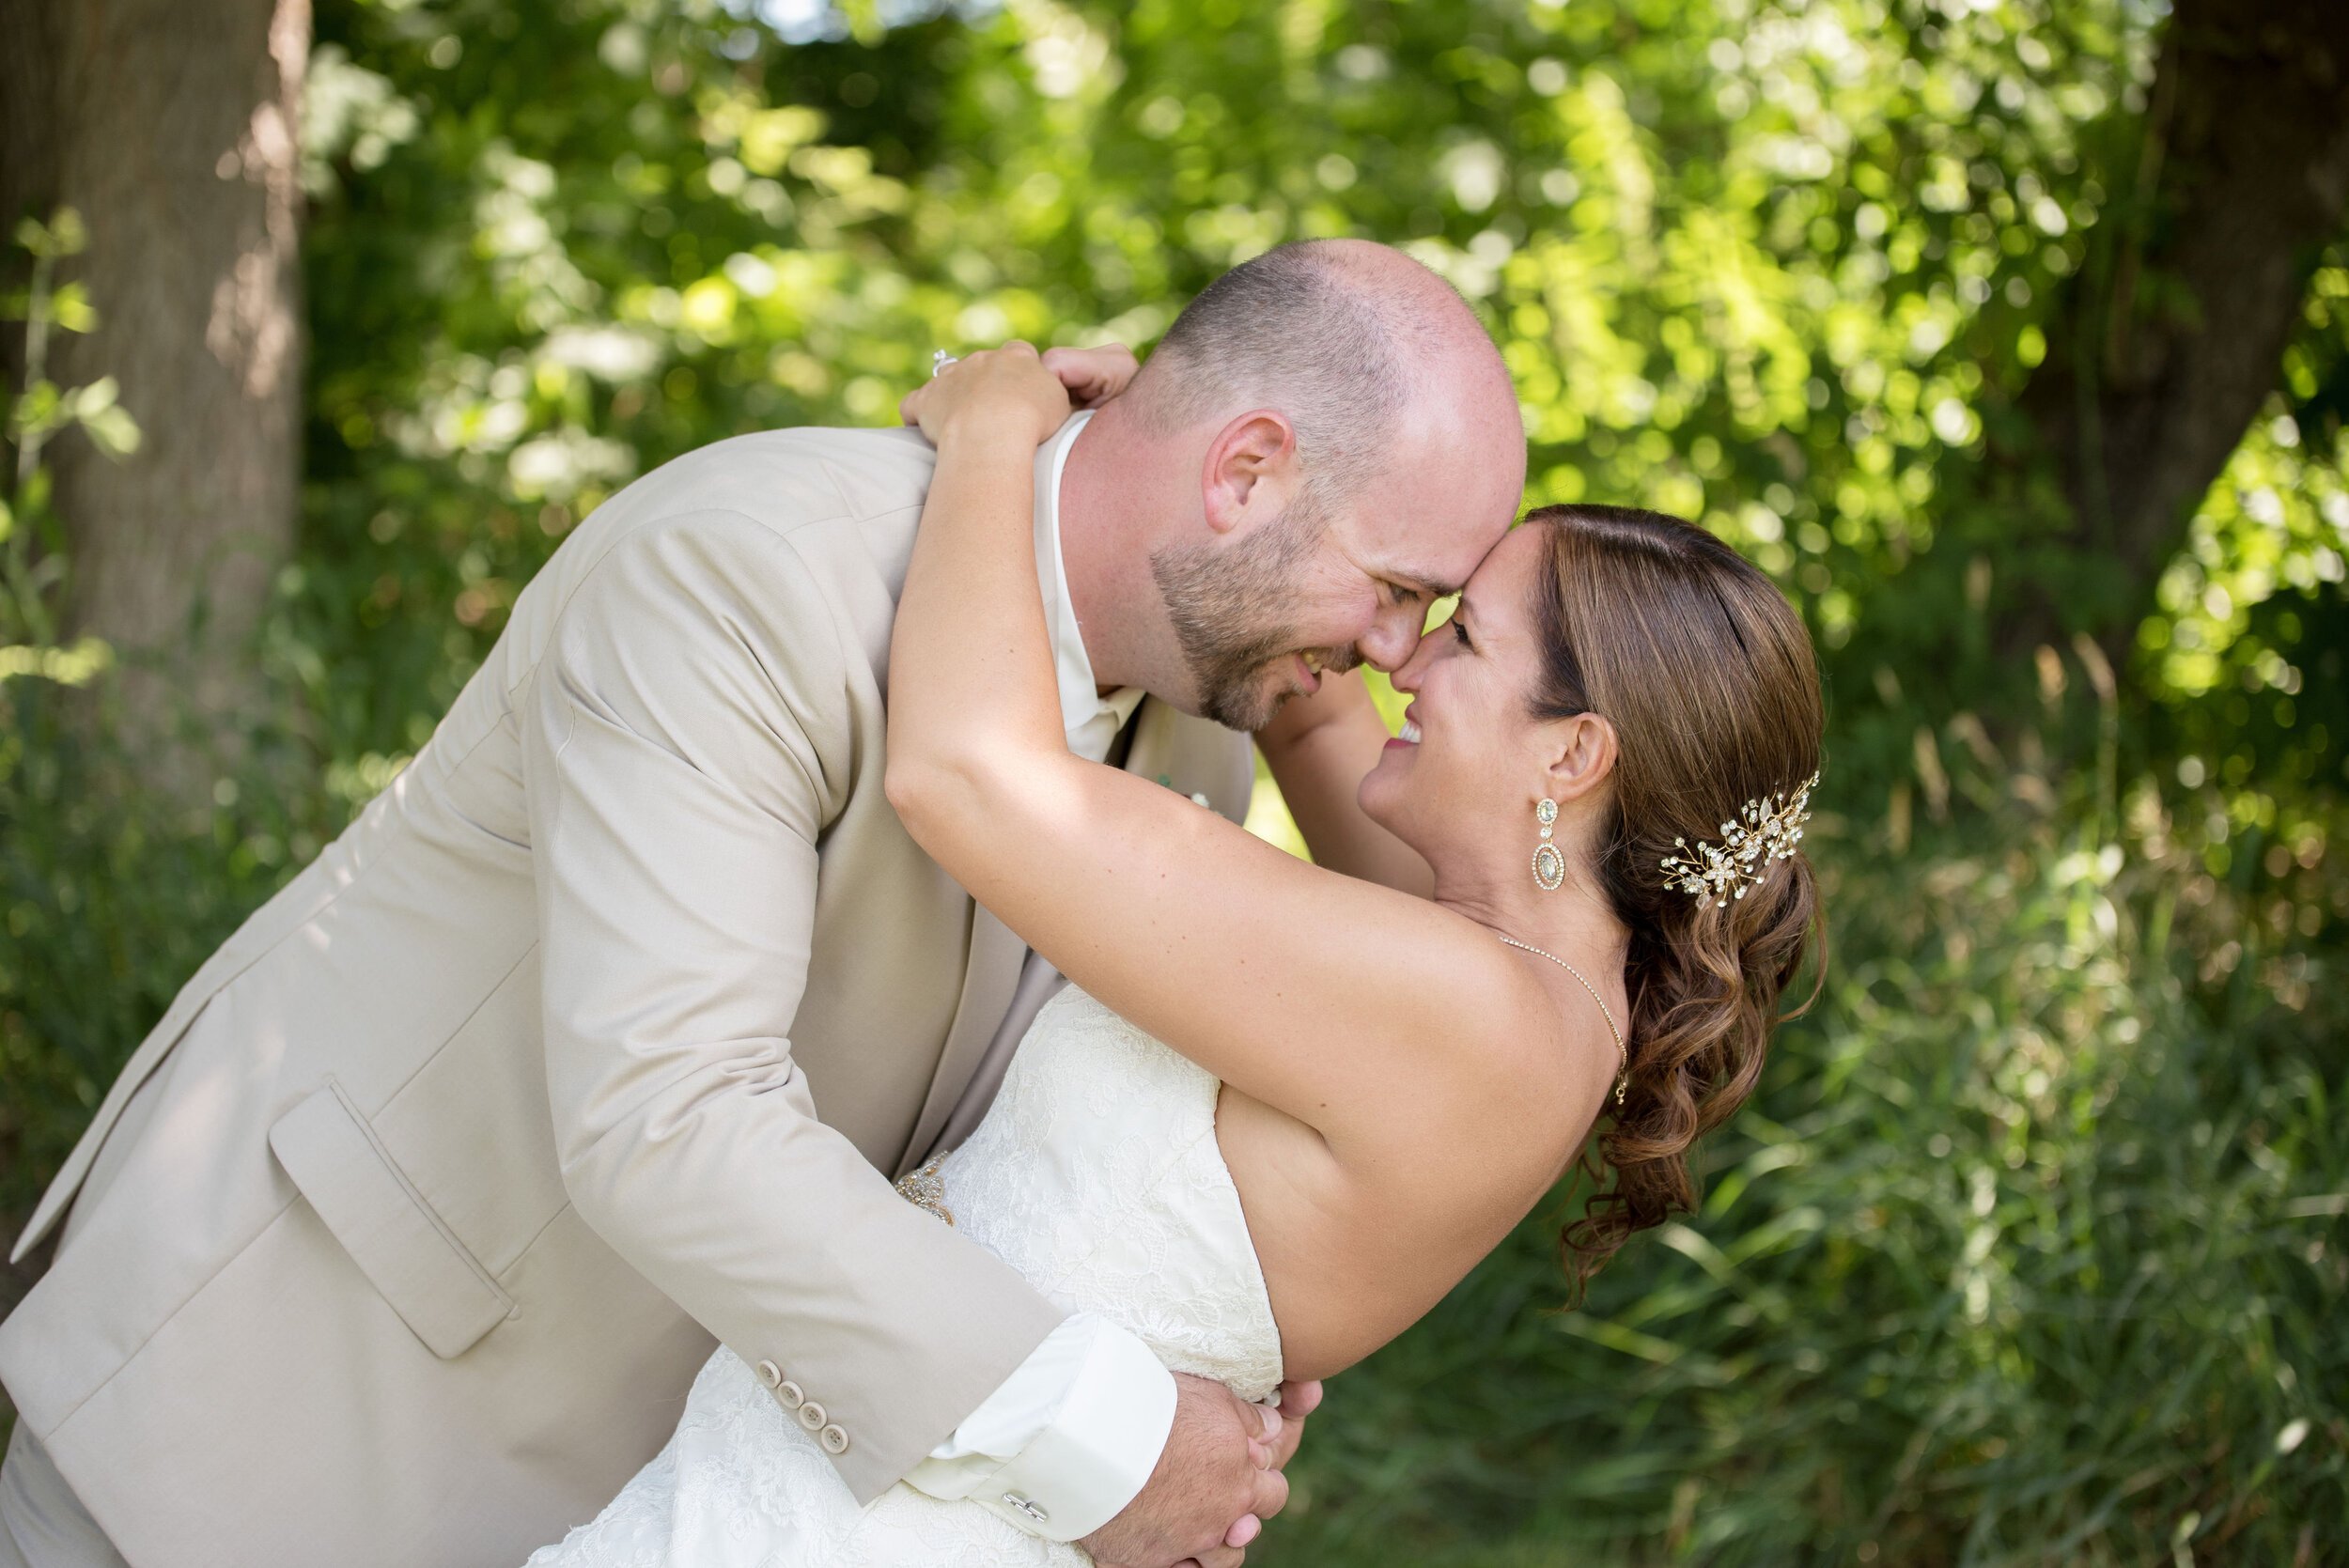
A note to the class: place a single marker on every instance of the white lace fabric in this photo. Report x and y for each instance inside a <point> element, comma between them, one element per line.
<point>1097,1176</point>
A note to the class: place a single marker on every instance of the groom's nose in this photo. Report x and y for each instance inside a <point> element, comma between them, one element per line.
<point>1391,639</point>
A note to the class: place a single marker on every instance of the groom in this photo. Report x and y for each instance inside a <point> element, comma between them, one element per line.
<point>603,1031</point>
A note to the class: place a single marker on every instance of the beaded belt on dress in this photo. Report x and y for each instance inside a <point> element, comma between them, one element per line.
<point>926,1190</point>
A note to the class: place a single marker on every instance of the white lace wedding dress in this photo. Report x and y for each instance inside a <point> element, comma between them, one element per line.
<point>1096,1173</point>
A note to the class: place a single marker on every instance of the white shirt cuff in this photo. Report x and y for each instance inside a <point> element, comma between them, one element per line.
<point>1069,1438</point>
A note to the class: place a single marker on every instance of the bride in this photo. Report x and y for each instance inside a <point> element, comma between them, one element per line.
<point>1281,1108</point>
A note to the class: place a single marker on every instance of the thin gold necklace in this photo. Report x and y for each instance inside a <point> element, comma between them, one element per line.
<point>1623,1052</point>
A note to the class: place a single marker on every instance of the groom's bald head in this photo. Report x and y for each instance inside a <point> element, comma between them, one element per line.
<point>1324,442</point>
<point>1344,337</point>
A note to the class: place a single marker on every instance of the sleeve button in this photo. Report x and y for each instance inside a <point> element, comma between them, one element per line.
<point>834,1439</point>
<point>792,1395</point>
<point>812,1415</point>
<point>770,1373</point>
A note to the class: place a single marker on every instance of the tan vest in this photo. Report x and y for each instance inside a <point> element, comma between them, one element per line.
<point>599,1033</point>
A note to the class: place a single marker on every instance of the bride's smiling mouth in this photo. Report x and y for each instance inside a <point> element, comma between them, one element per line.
<point>1409,735</point>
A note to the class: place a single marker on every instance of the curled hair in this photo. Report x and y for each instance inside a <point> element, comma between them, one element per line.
<point>1708,678</point>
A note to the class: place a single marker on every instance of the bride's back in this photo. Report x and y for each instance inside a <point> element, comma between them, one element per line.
<point>1121,1178</point>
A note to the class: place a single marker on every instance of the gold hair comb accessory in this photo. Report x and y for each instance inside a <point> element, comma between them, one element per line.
<point>1765,830</point>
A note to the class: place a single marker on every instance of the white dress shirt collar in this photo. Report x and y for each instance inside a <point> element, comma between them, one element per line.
<point>1091,720</point>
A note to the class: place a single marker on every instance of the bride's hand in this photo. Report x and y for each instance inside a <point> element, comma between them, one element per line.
<point>1093,376</point>
<point>1012,393</point>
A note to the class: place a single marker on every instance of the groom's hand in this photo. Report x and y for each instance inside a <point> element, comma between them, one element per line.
<point>1217,1481</point>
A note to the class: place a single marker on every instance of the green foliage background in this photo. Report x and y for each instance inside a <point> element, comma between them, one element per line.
<point>2030,1248</point>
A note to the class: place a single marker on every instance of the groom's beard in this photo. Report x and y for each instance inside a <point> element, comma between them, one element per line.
<point>1231,613</point>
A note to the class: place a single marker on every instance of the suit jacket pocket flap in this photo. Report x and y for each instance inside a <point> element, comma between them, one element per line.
<point>413,1260</point>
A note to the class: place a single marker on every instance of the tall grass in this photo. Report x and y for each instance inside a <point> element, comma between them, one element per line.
<point>2029,1251</point>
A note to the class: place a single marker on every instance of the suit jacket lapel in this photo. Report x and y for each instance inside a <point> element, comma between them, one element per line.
<point>1188,755</point>
<point>1192,757</point>
<point>990,972</point>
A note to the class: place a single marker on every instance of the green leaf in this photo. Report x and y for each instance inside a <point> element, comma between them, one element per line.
<point>70,307</point>
<point>40,410</point>
<point>95,398</point>
<point>63,235</point>
<point>113,429</point>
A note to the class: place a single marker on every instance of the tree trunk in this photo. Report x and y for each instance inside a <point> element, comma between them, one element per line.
<point>2166,346</point>
<point>171,126</point>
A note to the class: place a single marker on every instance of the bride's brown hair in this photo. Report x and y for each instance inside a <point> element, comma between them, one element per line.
<point>1708,678</point>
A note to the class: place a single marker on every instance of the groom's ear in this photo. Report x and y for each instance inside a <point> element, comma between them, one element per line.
<point>1250,469</point>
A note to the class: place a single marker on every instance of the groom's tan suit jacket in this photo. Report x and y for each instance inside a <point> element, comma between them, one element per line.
<point>600,1033</point>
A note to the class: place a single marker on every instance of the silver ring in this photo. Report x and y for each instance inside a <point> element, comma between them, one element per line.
<point>940,359</point>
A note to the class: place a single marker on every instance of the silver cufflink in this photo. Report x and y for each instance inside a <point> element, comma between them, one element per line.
<point>1013,1500</point>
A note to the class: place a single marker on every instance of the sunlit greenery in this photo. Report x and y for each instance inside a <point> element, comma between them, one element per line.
<point>2026,1251</point>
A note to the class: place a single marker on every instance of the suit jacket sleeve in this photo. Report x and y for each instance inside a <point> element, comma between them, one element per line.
<point>686,735</point>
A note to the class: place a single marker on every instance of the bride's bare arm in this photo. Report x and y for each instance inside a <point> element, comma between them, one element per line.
<point>1335,1001</point>
<point>1319,749</point>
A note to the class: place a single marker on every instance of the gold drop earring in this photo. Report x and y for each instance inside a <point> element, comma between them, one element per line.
<point>1550,866</point>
